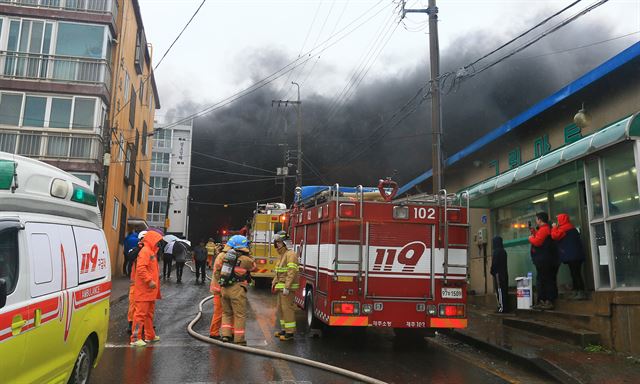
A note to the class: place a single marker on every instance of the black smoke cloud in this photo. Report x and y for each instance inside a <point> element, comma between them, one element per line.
<point>252,132</point>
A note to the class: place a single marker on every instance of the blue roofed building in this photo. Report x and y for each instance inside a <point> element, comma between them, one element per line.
<point>576,152</point>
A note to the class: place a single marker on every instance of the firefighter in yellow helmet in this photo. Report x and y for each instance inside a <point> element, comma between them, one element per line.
<point>232,269</point>
<point>284,284</point>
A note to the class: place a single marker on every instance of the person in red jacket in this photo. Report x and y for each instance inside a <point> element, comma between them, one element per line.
<point>545,259</point>
<point>146,290</point>
<point>570,252</point>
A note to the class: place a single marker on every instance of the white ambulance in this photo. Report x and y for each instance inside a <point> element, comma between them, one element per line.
<point>55,278</point>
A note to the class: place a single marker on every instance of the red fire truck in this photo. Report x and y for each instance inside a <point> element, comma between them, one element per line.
<point>368,260</point>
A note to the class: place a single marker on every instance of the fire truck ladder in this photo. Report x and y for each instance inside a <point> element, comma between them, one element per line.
<point>336,257</point>
<point>443,200</point>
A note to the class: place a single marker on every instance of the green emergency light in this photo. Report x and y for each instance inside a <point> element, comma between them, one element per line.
<point>83,195</point>
<point>7,171</point>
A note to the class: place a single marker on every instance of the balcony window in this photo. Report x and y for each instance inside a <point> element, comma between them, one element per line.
<point>132,108</point>
<point>57,146</point>
<point>145,135</point>
<point>60,116</point>
<point>29,144</point>
<point>80,40</point>
<point>127,164</point>
<point>127,85</point>
<point>34,110</point>
<point>10,107</point>
<point>83,113</point>
<point>8,141</point>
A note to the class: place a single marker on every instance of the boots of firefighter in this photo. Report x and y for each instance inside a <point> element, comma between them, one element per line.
<point>287,336</point>
<point>281,331</point>
<point>287,311</point>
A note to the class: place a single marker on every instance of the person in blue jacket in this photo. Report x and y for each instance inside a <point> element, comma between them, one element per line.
<point>130,242</point>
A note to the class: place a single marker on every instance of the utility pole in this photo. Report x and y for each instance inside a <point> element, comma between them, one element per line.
<point>298,103</point>
<point>299,168</point>
<point>167,223</point>
<point>436,122</point>
<point>284,174</point>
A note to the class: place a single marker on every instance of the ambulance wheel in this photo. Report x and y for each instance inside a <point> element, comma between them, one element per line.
<point>84,364</point>
<point>312,321</point>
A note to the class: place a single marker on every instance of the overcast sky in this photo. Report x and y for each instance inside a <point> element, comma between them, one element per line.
<point>217,55</point>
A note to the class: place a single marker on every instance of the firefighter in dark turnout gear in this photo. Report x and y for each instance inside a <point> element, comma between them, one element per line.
<point>285,284</point>
<point>232,270</point>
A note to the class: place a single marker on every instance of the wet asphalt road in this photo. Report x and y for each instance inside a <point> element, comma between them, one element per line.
<point>178,358</point>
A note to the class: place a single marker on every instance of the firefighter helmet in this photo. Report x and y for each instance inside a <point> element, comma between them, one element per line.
<point>238,242</point>
<point>280,236</point>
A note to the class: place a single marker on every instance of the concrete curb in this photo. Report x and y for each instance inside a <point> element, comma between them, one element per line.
<point>538,364</point>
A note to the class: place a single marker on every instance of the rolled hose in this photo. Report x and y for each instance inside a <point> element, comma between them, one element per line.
<point>276,355</point>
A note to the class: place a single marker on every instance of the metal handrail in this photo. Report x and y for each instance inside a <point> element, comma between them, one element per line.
<point>90,6</point>
<point>38,66</point>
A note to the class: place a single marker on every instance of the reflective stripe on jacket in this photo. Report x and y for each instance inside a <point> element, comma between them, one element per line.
<point>287,275</point>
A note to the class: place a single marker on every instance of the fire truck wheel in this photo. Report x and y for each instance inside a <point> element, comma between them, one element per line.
<point>312,320</point>
<point>84,364</point>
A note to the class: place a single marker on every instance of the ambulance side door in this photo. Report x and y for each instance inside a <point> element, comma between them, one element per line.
<point>14,315</point>
<point>51,250</point>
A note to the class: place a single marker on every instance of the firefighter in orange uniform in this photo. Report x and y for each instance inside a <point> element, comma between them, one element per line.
<point>133,259</point>
<point>285,284</point>
<point>216,321</point>
<point>233,267</point>
<point>146,290</point>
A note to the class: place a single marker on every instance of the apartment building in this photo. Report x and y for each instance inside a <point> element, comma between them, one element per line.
<point>170,176</point>
<point>134,101</point>
<point>55,81</point>
<point>76,91</point>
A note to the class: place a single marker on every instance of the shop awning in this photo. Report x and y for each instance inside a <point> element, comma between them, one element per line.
<point>624,129</point>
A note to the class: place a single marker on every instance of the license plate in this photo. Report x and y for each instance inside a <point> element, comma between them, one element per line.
<point>451,293</point>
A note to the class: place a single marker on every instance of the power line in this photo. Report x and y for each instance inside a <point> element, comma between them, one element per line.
<point>522,34</point>
<point>228,173</point>
<point>273,178</point>
<point>577,48</point>
<point>231,161</point>
<point>236,203</point>
<point>179,34</point>
<point>463,73</point>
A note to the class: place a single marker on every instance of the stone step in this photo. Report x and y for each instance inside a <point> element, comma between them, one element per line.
<point>580,320</point>
<point>563,333</point>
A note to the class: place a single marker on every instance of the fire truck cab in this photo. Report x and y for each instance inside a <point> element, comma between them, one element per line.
<point>267,219</point>
<point>371,262</point>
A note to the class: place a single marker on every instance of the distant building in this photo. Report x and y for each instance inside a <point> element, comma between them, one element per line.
<point>170,168</point>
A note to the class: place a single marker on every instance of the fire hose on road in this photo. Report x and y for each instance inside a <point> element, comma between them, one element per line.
<point>272,354</point>
<point>276,355</point>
